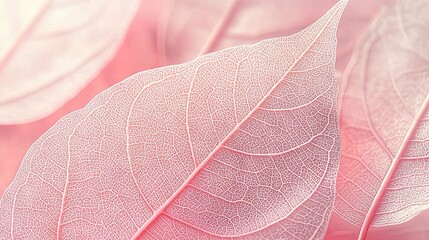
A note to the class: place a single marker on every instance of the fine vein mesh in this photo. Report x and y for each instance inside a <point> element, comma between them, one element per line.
<point>243,142</point>
<point>384,119</point>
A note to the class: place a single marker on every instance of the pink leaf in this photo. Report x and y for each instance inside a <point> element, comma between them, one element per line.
<point>383,177</point>
<point>51,49</point>
<point>239,143</point>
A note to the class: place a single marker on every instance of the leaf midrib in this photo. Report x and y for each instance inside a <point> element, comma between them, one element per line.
<point>393,166</point>
<point>159,211</point>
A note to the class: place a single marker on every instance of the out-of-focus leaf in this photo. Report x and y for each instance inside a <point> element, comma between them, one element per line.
<point>51,49</point>
<point>384,173</point>
<point>240,143</point>
<point>192,27</point>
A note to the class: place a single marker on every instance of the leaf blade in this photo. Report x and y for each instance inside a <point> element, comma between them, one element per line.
<point>146,117</point>
<point>387,90</point>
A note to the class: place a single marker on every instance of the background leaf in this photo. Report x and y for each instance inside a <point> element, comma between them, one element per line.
<point>188,28</point>
<point>51,49</point>
<point>383,177</point>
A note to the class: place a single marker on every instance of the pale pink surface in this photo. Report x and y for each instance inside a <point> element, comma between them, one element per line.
<point>243,142</point>
<point>188,28</point>
<point>51,49</point>
<point>383,178</point>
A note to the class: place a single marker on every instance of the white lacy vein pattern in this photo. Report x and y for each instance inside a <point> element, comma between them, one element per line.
<point>240,143</point>
<point>385,119</point>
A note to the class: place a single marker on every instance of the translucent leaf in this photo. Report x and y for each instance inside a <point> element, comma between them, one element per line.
<point>240,143</point>
<point>383,177</point>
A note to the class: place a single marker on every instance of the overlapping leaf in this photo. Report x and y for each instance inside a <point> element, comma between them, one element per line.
<point>383,178</point>
<point>239,143</point>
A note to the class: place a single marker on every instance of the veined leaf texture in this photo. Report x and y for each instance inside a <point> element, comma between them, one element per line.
<point>51,49</point>
<point>154,39</point>
<point>241,143</point>
<point>383,177</point>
